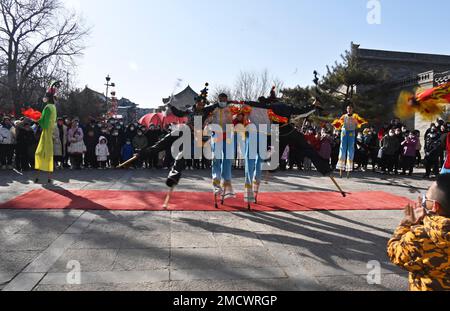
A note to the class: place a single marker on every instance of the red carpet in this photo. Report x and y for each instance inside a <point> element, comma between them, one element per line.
<point>201,201</point>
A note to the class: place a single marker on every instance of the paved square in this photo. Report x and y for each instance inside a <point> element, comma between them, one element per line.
<point>190,251</point>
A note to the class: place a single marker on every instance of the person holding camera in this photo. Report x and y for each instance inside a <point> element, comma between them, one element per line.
<point>421,244</point>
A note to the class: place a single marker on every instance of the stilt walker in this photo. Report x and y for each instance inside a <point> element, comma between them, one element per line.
<point>199,109</point>
<point>348,124</point>
<point>222,147</point>
<point>281,113</point>
<point>256,149</point>
<point>47,121</point>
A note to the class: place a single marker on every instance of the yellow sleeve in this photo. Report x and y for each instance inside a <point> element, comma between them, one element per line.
<point>403,250</point>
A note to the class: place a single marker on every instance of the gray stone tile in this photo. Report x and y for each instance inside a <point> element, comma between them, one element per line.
<point>142,259</point>
<point>159,286</point>
<point>193,240</point>
<point>237,239</point>
<point>47,258</point>
<point>27,242</point>
<point>12,262</point>
<point>243,257</point>
<point>141,241</point>
<point>98,241</point>
<point>359,283</point>
<point>195,258</point>
<point>205,285</point>
<point>24,282</point>
<point>91,260</point>
<point>12,226</point>
<point>227,274</point>
<point>110,277</point>
<point>265,285</point>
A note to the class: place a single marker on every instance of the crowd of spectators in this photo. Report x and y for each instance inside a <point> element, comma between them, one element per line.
<point>103,144</point>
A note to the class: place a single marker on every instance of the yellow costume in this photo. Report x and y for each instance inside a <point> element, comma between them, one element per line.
<point>44,152</point>
<point>424,251</point>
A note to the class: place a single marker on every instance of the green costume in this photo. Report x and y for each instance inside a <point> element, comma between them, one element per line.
<point>44,152</point>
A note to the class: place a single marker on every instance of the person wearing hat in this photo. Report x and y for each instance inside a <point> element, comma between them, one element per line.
<point>45,153</point>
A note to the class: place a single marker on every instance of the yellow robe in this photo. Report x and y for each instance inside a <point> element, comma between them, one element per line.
<point>44,152</point>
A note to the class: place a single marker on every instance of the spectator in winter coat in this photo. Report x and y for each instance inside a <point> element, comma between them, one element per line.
<point>26,145</point>
<point>325,146</point>
<point>6,144</point>
<point>76,145</point>
<point>139,143</point>
<point>59,142</point>
<point>361,152</point>
<point>418,149</point>
<point>115,147</point>
<point>373,143</point>
<point>390,146</point>
<point>102,152</point>
<point>432,152</point>
<point>90,158</point>
<point>409,153</point>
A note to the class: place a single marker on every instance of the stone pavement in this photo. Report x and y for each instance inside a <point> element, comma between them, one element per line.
<point>41,250</point>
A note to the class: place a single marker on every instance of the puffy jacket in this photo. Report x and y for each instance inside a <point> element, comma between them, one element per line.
<point>101,150</point>
<point>6,137</point>
<point>391,145</point>
<point>424,251</point>
<point>140,142</point>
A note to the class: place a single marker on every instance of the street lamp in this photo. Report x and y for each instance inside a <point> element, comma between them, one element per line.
<point>108,79</point>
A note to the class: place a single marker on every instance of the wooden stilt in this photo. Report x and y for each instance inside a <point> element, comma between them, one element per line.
<point>337,186</point>
<point>127,163</point>
<point>216,205</point>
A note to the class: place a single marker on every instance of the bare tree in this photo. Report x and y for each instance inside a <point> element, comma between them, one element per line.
<point>250,86</point>
<point>37,38</point>
<point>219,90</point>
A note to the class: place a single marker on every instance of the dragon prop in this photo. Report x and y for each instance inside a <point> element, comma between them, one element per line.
<point>429,103</point>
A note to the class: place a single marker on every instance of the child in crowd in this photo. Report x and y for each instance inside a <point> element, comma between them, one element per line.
<point>127,151</point>
<point>102,152</point>
<point>409,153</point>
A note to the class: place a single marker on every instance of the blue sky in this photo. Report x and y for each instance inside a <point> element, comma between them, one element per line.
<point>146,45</point>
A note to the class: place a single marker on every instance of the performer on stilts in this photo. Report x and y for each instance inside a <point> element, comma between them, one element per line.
<point>348,124</point>
<point>44,153</point>
<point>200,109</point>
<point>222,147</point>
<point>281,113</point>
<point>256,148</point>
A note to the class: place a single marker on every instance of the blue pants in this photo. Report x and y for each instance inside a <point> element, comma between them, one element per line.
<point>221,165</point>
<point>254,160</point>
<point>347,151</point>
